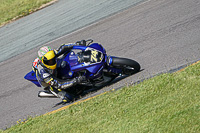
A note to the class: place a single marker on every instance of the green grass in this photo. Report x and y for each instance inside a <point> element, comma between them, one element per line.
<point>18,8</point>
<point>165,103</point>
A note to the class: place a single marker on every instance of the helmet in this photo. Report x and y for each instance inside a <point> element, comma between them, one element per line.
<point>42,51</point>
<point>49,60</point>
<point>47,57</point>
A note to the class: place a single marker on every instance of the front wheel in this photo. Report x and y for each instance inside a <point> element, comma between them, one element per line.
<point>128,66</point>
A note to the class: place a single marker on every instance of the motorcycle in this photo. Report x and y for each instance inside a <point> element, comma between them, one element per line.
<point>91,61</point>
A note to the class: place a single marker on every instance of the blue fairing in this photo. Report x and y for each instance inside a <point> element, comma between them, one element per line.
<point>98,47</point>
<point>92,68</point>
<point>72,59</point>
<point>95,68</point>
<point>64,65</point>
<point>32,77</point>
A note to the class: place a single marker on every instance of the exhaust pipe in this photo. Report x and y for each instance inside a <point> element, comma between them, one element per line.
<point>46,94</point>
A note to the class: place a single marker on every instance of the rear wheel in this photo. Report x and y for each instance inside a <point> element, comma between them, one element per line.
<point>128,66</point>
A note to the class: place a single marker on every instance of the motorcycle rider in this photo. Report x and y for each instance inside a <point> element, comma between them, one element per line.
<point>45,66</point>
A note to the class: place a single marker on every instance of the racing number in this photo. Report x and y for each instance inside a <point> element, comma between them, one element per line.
<point>94,55</point>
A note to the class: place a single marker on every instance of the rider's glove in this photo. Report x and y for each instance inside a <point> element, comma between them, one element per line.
<point>54,83</point>
<point>63,49</point>
<point>81,43</point>
<point>61,46</point>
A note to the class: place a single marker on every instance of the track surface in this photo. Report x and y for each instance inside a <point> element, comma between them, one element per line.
<point>160,34</point>
<point>57,20</point>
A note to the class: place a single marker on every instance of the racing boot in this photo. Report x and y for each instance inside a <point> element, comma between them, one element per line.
<point>66,98</point>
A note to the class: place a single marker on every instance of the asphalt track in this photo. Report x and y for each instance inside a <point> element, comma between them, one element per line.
<point>160,34</point>
<point>57,20</point>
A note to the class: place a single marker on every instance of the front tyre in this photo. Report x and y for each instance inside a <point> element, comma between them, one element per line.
<point>128,66</point>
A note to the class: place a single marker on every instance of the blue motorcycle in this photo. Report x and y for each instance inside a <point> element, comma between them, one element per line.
<point>92,62</point>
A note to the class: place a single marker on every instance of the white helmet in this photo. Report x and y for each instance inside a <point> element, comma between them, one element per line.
<point>42,51</point>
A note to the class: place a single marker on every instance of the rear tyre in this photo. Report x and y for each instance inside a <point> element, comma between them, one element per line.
<point>128,66</point>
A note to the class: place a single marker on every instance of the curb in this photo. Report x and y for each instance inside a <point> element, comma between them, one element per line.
<point>188,66</point>
<point>65,107</point>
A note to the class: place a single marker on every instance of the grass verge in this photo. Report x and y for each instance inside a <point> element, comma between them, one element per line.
<point>14,9</point>
<point>165,103</point>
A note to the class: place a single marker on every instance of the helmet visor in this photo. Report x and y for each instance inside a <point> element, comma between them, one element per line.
<point>50,62</point>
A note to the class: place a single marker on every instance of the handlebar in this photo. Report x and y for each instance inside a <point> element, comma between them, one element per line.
<point>84,42</point>
<point>90,41</point>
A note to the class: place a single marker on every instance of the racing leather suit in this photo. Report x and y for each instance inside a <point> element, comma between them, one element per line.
<point>49,77</point>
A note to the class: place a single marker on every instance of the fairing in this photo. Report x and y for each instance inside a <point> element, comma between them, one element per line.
<point>31,76</point>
